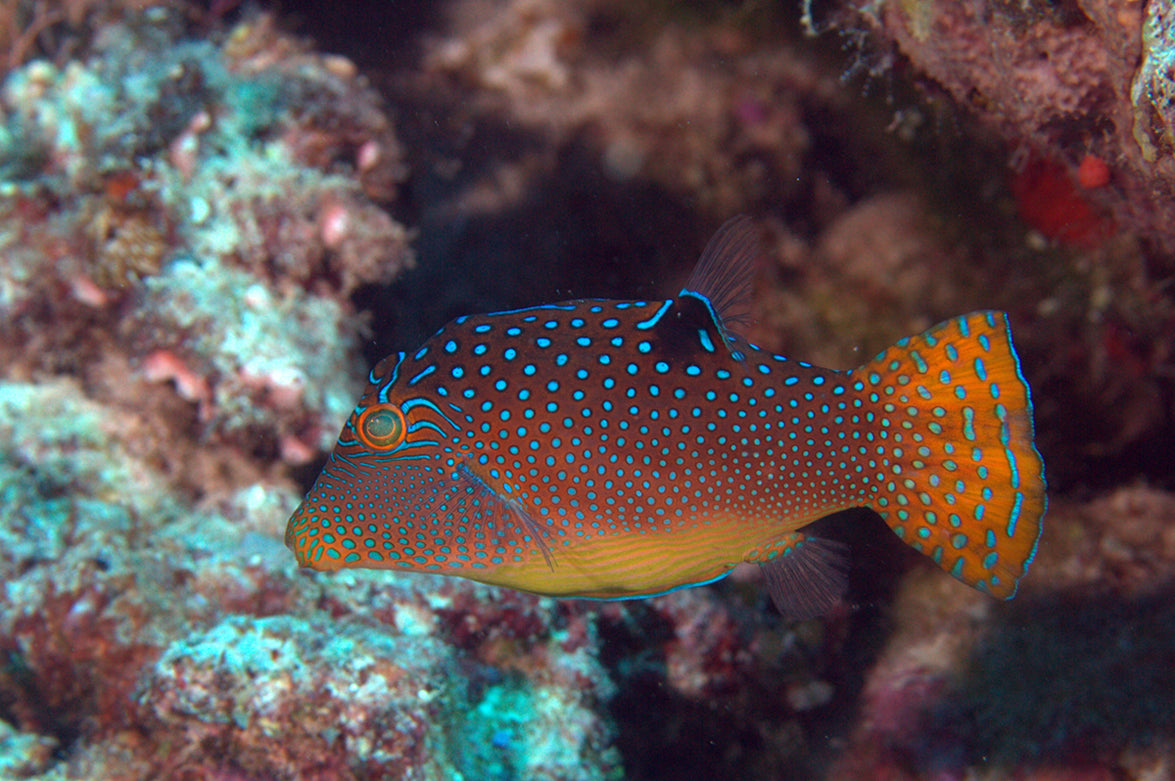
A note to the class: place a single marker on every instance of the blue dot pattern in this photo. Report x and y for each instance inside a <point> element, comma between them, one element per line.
<point>615,449</point>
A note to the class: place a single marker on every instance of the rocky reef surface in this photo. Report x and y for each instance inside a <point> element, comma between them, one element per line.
<point>213,219</point>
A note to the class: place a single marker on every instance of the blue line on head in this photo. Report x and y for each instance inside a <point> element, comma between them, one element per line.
<point>387,386</point>
<point>644,325</point>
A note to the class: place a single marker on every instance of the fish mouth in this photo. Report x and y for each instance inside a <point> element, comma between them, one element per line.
<point>293,527</point>
<point>290,527</point>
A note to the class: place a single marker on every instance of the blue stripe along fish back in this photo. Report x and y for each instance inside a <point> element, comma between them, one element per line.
<point>620,449</point>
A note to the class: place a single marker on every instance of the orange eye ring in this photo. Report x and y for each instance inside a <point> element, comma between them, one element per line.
<point>381,427</point>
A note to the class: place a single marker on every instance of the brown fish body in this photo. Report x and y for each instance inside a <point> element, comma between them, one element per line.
<point>663,443</point>
<point>615,449</point>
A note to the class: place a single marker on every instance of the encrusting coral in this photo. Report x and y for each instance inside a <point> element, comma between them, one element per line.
<point>183,212</point>
<point>191,219</point>
<point>133,621</point>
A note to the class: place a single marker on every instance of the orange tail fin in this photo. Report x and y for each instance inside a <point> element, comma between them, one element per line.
<point>966,484</point>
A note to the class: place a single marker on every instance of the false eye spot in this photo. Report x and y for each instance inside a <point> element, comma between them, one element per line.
<point>381,427</point>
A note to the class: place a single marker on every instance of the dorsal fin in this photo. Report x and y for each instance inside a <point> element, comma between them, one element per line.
<point>725,271</point>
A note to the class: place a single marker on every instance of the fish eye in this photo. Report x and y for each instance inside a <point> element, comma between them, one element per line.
<point>381,427</point>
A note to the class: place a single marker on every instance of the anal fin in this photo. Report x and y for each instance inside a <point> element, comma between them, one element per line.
<point>808,578</point>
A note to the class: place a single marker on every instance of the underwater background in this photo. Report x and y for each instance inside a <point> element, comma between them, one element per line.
<point>216,217</point>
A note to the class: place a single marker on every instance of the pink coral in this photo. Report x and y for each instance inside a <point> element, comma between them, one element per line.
<point>166,366</point>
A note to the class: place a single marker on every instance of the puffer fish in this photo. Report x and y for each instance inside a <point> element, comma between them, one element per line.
<point>621,449</point>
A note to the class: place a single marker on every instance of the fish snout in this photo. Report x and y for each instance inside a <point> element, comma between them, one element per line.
<point>297,536</point>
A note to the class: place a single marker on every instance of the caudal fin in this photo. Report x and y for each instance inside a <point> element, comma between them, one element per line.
<point>965,482</point>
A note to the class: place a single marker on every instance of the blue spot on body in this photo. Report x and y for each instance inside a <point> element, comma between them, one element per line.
<point>704,338</point>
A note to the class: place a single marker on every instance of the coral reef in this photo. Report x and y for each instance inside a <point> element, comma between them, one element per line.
<point>23,755</point>
<point>1065,80</point>
<point>253,686</point>
<point>208,234</point>
<point>1077,95</point>
<point>198,249</point>
<point>153,639</point>
<point>1047,208</point>
<point>730,119</point>
<point>538,63</point>
<point>1063,681</point>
